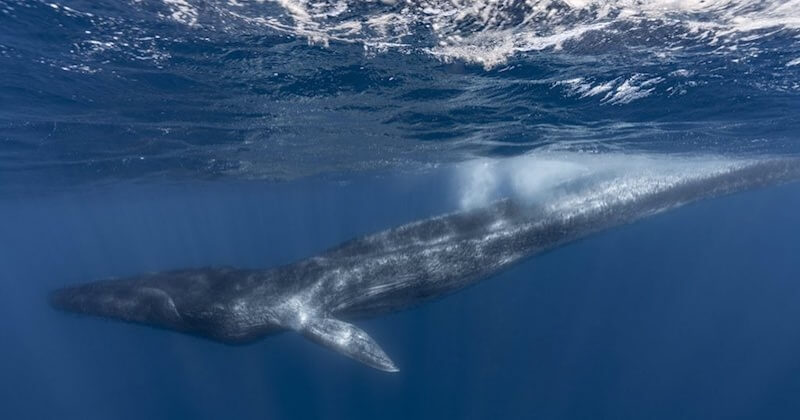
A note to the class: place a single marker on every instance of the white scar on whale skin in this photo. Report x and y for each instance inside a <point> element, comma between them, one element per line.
<point>551,199</point>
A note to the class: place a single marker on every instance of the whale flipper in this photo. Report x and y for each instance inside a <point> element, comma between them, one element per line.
<point>349,340</point>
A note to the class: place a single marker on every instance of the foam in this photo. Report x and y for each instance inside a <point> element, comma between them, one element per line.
<point>619,91</point>
<point>182,11</point>
<point>488,32</point>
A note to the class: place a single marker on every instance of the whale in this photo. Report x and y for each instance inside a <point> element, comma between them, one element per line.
<point>321,297</point>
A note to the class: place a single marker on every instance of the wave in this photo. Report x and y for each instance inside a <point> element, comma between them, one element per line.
<point>246,89</point>
<point>488,32</point>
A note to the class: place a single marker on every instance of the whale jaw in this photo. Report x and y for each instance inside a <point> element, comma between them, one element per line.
<point>144,304</point>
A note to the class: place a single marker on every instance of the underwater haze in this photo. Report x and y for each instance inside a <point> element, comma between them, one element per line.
<point>141,136</point>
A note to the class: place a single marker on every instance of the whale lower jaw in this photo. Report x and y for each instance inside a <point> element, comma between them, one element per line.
<point>110,299</point>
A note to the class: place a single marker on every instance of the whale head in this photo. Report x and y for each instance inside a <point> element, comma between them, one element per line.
<point>127,300</point>
<point>209,302</point>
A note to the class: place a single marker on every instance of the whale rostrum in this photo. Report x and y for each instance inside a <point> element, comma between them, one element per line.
<point>401,267</point>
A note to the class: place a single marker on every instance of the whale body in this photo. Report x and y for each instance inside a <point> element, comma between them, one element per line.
<point>401,267</point>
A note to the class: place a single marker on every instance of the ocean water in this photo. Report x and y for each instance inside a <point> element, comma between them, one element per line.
<point>146,135</point>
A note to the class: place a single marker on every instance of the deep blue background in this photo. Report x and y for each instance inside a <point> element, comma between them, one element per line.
<point>690,314</point>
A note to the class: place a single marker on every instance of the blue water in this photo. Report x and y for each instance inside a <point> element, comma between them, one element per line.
<point>140,136</point>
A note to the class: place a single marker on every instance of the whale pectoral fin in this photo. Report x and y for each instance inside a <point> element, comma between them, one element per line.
<point>349,340</point>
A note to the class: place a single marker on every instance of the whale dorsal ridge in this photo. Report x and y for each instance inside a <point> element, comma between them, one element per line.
<point>347,339</point>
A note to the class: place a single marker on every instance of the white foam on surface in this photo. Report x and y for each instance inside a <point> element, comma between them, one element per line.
<point>636,87</point>
<point>182,11</point>
<point>618,91</point>
<point>488,32</point>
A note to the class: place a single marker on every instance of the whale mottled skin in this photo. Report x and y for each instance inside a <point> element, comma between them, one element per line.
<point>397,268</point>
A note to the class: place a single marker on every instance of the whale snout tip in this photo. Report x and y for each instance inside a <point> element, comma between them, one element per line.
<point>62,299</point>
<point>74,299</point>
<point>124,300</point>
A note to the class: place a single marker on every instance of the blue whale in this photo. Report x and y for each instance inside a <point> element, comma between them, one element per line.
<point>398,268</point>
